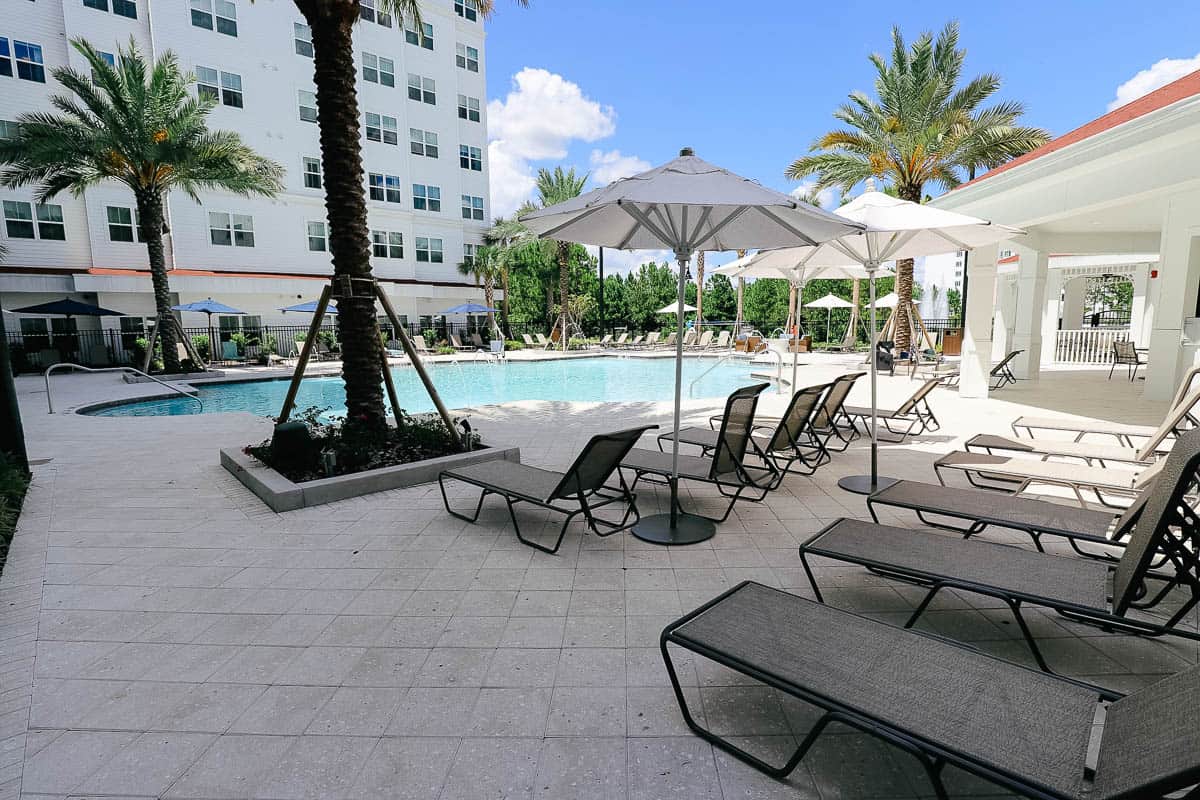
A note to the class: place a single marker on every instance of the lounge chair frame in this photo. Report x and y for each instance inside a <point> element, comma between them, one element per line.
<point>1125,354</point>
<point>1016,481</point>
<point>588,490</point>
<point>933,756</point>
<point>1002,374</point>
<point>915,413</point>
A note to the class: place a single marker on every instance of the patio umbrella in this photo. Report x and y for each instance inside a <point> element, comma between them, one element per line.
<point>67,308</point>
<point>889,300</point>
<point>469,308</point>
<point>686,205</point>
<point>672,309</point>
<point>209,307</point>
<point>311,307</point>
<point>829,302</point>
<point>895,229</point>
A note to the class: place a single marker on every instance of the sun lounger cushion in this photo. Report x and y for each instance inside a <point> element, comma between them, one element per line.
<point>987,441</point>
<point>1088,426</point>
<point>1017,467</point>
<point>996,713</point>
<point>520,479</point>
<point>695,467</point>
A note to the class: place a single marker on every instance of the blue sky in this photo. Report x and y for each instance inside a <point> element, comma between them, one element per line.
<point>613,85</point>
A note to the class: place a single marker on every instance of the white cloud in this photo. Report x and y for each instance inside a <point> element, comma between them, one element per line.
<point>1158,75</point>
<point>612,166</point>
<point>538,119</point>
<point>625,261</point>
<point>825,198</point>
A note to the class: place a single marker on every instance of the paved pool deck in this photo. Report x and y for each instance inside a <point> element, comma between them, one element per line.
<point>163,634</point>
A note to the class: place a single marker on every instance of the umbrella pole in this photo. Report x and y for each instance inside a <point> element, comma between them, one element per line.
<point>676,527</point>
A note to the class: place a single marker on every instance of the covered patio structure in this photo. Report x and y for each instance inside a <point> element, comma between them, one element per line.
<point>1116,199</point>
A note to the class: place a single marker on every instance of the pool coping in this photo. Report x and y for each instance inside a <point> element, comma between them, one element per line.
<point>282,494</point>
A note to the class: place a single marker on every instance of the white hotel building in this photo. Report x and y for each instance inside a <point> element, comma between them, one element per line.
<point>424,130</point>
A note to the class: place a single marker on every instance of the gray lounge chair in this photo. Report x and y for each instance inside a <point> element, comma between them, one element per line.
<point>1125,354</point>
<point>421,346</point>
<point>831,420</point>
<point>915,413</point>
<point>1002,374</point>
<point>583,483</point>
<point>457,344</point>
<point>529,342</point>
<point>1076,588</point>
<point>726,468</point>
<point>792,439</point>
<point>476,340</point>
<point>943,704</point>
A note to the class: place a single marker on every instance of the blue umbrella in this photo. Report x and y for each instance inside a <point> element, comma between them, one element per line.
<point>469,308</point>
<point>310,308</point>
<point>68,308</point>
<point>208,307</point>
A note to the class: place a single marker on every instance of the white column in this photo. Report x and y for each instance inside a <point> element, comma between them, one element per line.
<point>1003,314</point>
<point>1050,315</point>
<point>1138,330</point>
<point>1153,287</point>
<point>1179,273</point>
<point>977,336</point>
<point>1031,304</point>
<point>1073,297</point>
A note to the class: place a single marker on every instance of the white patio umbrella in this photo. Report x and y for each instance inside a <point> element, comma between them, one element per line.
<point>686,205</point>
<point>895,229</point>
<point>889,300</point>
<point>672,309</point>
<point>829,302</point>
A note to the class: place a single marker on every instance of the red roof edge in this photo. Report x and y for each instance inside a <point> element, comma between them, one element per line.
<point>1181,89</point>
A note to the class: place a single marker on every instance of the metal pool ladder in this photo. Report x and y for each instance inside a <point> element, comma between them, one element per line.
<point>69,365</point>
<point>735,356</point>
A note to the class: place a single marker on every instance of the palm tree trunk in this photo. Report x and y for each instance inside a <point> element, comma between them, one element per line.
<point>346,207</point>
<point>904,285</point>
<point>504,306</point>
<point>699,291</point>
<point>564,286</point>
<point>856,299</point>
<point>150,219</point>
<point>489,297</point>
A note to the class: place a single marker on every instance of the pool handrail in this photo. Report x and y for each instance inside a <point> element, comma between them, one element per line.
<point>70,365</point>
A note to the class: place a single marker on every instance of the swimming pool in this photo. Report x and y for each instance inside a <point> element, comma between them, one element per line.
<point>471,384</point>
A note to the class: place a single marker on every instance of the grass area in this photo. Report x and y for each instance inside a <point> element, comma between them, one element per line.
<point>13,483</point>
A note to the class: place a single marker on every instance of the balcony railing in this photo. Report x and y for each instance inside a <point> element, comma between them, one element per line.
<point>1087,346</point>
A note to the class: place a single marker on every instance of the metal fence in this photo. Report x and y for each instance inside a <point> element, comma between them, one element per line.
<point>1105,319</point>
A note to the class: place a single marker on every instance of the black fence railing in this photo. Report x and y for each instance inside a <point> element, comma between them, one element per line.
<point>1105,319</point>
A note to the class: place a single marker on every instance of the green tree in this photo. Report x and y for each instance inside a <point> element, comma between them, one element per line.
<point>557,187</point>
<point>954,303</point>
<point>488,271</point>
<point>134,123</point>
<point>765,303</point>
<point>920,129</point>
<point>721,298</point>
<point>648,289</point>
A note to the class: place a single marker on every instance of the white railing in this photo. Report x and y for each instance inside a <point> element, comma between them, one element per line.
<point>1087,346</point>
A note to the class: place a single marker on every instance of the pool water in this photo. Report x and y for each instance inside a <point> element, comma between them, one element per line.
<point>472,384</point>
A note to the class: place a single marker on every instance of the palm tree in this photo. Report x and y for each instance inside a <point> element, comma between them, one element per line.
<point>507,237</point>
<point>921,129</point>
<point>487,269</point>
<point>135,123</point>
<point>699,291</point>
<point>338,118</point>
<point>556,187</point>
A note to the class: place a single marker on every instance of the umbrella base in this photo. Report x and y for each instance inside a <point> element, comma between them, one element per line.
<point>862,484</point>
<point>688,529</point>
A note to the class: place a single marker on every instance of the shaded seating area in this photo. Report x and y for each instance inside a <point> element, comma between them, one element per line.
<point>944,705</point>
<point>583,484</point>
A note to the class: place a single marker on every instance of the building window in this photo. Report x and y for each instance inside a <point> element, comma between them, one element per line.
<point>472,207</point>
<point>470,158</point>
<point>316,237</point>
<point>424,40</point>
<point>382,128</point>
<point>107,58</point>
<point>29,61</point>
<point>377,69</point>
<point>468,108</point>
<point>50,222</point>
<point>231,89</point>
<point>467,9</point>
<point>385,188</point>
<point>125,8</point>
<point>122,224</point>
<point>466,57</point>
<point>423,143</point>
<point>303,36</point>
<point>367,10</point>
<point>308,106</point>
<point>223,12</point>
<point>99,5</point>
<point>18,220</point>
<point>469,253</point>
<point>387,244</point>
<point>6,67</point>
<point>208,83</point>
<point>231,229</point>
<point>422,89</point>
<point>427,198</point>
<point>9,129</point>
<point>429,250</point>
<point>312,173</point>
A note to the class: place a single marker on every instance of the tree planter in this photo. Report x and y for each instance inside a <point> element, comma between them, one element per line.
<point>282,494</point>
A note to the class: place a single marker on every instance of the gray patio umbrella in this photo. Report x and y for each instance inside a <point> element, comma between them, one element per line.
<point>686,205</point>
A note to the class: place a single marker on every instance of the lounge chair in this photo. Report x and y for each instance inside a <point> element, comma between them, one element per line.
<point>942,703</point>
<point>636,342</point>
<point>669,342</point>
<point>457,344</point>
<point>1185,396</point>
<point>689,338</point>
<point>605,340</point>
<point>476,340</point>
<point>229,351</point>
<point>722,341</point>
<point>831,420</point>
<point>651,340</point>
<point>98,356</point>
<point>1074,587</point>
<point>1109,486</point>
<point>529,342</point>
<point>1002,374</point>
<point>793,437</point>
<point>703,342</point>
<point>726,468</point>
<point>1125,354</point>
<point>421,347</point>
<point>394,349</point>
<point>584,483</point>
<point>915,413</point>
<point>621,341</point>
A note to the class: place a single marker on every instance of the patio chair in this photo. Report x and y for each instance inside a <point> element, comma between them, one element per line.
<point>726,468</point>
<point>476,340</point>
<point>830,420</point>
<point>394,349</point>
<point>1002,374</point>
<point>636,342</point>
<point>457,344</point>
<point>1076,588</point>
<point>529,342</point>
<point>421,347</point>
<point>229,351</point>
<point>941,703</point>
<point>703,342</point>
<point>915,413</point>
<point>584,483</point>
<point>689,338</point>
<point>1125,354</point>
<point>793,437</point>
<point>605,340</point>
<point>1186,399</point>
<point>669,342</point>
<point>621,341</point>
<point>722,341</point>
